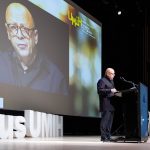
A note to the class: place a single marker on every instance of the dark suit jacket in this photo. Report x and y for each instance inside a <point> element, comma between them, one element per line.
<point>104,87</point>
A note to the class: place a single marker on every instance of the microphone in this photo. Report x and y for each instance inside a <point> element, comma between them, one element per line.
<point>123,79</point>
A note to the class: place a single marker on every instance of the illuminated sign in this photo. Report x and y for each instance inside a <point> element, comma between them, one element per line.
<point>34,124</point>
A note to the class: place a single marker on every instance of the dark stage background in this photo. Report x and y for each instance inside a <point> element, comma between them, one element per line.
<point>125,47</point>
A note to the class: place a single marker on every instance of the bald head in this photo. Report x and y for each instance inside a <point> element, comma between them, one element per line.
<point>109,70</point>
<point>110,73</point>
<point>17,13</point>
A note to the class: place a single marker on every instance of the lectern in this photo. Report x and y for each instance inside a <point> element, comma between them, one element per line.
<point>136,113</point>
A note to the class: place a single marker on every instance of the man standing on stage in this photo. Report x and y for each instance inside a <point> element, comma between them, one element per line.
<point>106,90</point>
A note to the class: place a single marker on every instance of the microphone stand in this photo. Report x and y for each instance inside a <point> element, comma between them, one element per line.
<point>133,84</point>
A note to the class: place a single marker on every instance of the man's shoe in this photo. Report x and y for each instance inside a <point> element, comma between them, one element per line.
<point>105,140</point>
<point>112,140</point>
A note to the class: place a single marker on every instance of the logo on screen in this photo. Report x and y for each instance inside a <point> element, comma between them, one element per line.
<point>75,20</point>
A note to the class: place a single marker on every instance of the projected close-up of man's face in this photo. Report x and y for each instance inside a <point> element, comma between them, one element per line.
<point>21,30</point>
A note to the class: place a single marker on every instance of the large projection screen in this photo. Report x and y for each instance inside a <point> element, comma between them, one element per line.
<point>50,57</point>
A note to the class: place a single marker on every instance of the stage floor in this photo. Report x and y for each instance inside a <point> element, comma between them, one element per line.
<point>70,143</point>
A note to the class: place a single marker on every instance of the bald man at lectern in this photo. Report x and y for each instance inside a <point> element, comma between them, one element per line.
<point>25,65</point>
<point>106,91</point>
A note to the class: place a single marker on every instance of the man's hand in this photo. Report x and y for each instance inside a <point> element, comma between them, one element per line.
<point>113,90</point>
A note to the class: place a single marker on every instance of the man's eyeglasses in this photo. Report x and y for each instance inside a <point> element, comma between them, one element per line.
<point>26,32</point>
<point>111,73</point>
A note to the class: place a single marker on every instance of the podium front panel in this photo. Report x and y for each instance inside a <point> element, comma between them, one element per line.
<point>136,114</point>
<point>143,96</point>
